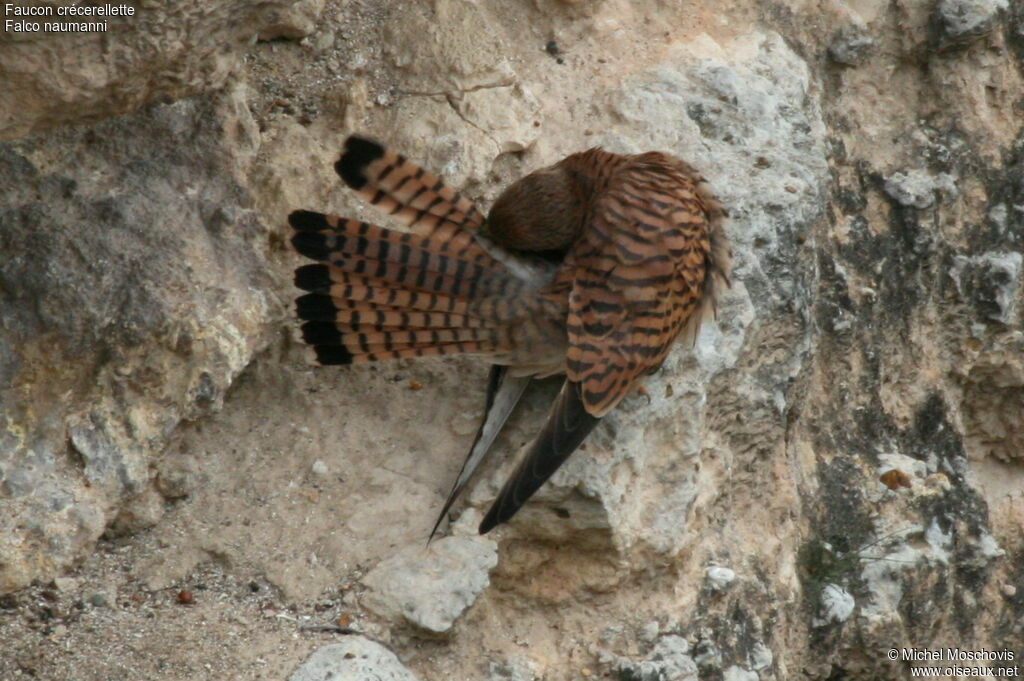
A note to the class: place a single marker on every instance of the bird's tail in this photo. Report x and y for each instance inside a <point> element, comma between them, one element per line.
<point>377,293</point>
<point>399,187</point>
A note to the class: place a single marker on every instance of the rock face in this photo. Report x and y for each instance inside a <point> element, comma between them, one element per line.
<point>163,51</point>
<point>834,469</point>
<point>104,253</point>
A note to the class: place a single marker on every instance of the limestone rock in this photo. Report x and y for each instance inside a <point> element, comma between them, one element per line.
<point>918,188</point>
<point>991,282</point>
<point>670,659</point>
<point>963,19</point>
<point>292,21</point>
<point>430,587</point>
<point>836,605</point>
<point>101,257</point>
<point>165,51</point>
<point>354,659</point>
<point>851,46</point>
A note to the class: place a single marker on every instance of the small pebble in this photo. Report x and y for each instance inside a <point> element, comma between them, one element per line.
<point>319,467</point>
<point>185,597</point>
<point>345,620</point>
<point>415,385</point>
<point>1009,590</point>
<point>719,577</point>
<point>65,584</point>
<point>98,600</point>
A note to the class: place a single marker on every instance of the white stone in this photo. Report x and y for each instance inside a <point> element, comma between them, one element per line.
<point>354,659</point>
<point>431,586</point>
<point>735,673</point>
<point>720,577</point>
<point>761,657</point>
<point>965,17</point>
<point>918,188</point>
<point>837,605</point>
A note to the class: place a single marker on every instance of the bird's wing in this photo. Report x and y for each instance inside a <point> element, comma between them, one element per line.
<point>503,393</point>
<point>638,274</point>
<point>567,426</point>
<point>639,277</point>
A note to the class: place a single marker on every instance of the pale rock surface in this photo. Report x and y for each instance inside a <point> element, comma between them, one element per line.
<point>735,673</point>
<point>993,281</point>
<point>966,18</point>
<point>69,77</point>
<point>430,587</point>
<point>873,322</point>
<point>669,659</point>
<point>719,578</point>
<point>837,605</point>
<point>918,188</point>
<point>105,254</point>
<point>355,659</point>
<point>851,46</point>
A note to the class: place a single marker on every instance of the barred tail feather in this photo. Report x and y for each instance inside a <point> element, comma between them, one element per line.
<point>407,259</point>
<point>401,188</point>
<point>353,237</point>
<point>340,355</point>
<point>352,314</point>
<point>345,286</point>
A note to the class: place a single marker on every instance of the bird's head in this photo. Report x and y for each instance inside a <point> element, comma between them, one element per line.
<point>543,211</point>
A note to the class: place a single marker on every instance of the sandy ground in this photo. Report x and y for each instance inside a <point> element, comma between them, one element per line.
<point>233,581</point>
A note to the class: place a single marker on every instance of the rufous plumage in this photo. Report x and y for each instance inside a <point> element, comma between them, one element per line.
<point>592,267</point>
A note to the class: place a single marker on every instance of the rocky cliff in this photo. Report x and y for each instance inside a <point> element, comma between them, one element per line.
<point>832,471</point>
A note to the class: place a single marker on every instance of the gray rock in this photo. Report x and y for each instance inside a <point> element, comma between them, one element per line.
<point>735,673</point>
<point>177,475</point>
<point>140,512</point>
<point>851,46</point>
<point>295,20</point>
<point>430,587</point>
<point>70,81</point>
<point>719,578</point>
<point>103,253</point>
<point>669,661</point>
<point>354,659</point>
<point>991,283</point>
<point>65,584</point>
<point>836,605</point>
<point>514,670</point>
<point>965,19</point>
<point>761,656</point>
<point>918,188</point>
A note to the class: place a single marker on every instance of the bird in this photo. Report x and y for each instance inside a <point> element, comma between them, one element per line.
<point>591,267</point>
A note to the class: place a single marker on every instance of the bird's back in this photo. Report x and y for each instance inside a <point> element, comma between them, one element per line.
<point>642,270</point>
